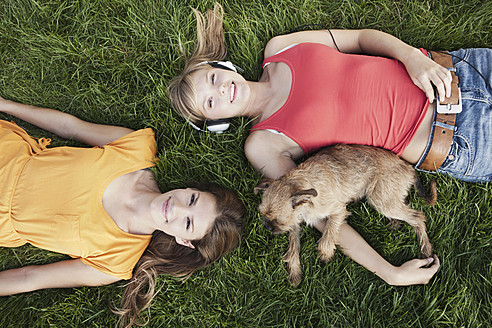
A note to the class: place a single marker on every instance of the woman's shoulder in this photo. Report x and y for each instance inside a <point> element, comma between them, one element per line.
<point>137,147</point>
<point>258,143</point>
<point>266,143</point>
<point>277,44</point>
<point>324,37</point>
<point>135,140</point>
<point>270,153</point>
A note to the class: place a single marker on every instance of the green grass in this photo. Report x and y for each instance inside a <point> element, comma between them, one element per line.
<point>109,61</point>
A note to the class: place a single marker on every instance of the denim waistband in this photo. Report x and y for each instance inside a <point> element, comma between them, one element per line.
<point>433,127</point>
<point>431,138</point>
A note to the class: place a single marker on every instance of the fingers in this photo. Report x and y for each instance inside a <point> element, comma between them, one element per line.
<point>427,74</point>
<point>424,262</point>
<point>428,273</point>
<point>426,86</point>
<point>442,80</point>
<point>436,263</point>
<point>434,267</point>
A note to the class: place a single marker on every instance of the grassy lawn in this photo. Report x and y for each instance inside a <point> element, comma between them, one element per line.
<point>109,61</point>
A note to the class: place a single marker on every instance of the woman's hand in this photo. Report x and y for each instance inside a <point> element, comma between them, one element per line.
<point>414,272</point>
<point>409,273</point>
<point>425,73</point>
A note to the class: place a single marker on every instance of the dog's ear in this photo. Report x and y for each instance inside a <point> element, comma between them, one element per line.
<point>263,184</point>
<point>302,196</point>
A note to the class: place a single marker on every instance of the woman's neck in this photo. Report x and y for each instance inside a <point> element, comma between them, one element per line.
<point>261,99</point>
<point>144,192</point>
<point>270,93</point>
<point>127,201</point>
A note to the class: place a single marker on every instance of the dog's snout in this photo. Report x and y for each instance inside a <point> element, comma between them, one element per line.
<point>268,225</point>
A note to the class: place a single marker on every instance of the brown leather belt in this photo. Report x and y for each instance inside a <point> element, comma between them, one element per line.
<point>443,136</point>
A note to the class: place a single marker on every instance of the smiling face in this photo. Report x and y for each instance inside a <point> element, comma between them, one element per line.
<point>186,214</point>
<point>220,93</point>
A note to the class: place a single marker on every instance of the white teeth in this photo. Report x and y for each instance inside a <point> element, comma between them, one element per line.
<point>232,89</point>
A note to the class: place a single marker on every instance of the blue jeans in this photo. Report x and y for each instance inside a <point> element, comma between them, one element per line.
<point>470,156</point>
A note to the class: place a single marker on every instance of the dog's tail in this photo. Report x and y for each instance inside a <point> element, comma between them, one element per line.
<point>430,198</point>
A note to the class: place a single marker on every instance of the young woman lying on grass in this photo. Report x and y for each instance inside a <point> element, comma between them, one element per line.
<point>314,92</point>
<point>102,206</point>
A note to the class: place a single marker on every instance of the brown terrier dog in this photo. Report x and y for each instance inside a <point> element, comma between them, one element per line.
<point>322,186</point>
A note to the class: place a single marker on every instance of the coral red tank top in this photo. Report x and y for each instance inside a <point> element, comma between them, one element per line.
<point>345,98</point>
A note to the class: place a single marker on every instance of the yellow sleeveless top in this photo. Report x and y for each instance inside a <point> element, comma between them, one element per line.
<point>52,197</point>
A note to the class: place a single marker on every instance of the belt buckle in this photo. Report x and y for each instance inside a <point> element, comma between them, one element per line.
<point>448,108</point>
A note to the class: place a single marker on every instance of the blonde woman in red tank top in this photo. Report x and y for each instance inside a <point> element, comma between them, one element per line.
<point>206,91</point>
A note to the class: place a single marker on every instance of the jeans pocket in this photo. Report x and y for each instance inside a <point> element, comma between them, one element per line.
<point>459,160</point>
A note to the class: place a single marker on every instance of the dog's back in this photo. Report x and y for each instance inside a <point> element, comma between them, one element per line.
<point>351,171</point>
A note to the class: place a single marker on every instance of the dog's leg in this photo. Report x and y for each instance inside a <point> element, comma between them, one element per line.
<point>326,245</point>
<point>417,220</point>
<point>389,198</point>
<point>413,217</point>
<point>292,257</point>
<point>421,231</point>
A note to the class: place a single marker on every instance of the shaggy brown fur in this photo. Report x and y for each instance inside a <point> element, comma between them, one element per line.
<point>323,185</point>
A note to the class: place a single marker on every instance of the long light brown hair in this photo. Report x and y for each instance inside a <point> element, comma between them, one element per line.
<point>210,45</point>
<point>165,256</point>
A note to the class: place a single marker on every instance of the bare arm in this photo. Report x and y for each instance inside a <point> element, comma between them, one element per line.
<point>271,154</point>
<point>65,125</point>
<point>422,70</point>
<point>63,274</point>
<point>409,273</point>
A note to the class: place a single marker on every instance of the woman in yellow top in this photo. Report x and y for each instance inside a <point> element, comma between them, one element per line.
<point>102,206</point>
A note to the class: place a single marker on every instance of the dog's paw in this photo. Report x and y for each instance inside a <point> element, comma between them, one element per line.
<point>426,250</point>
<point>295,278</point>
<point>326,253</point>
